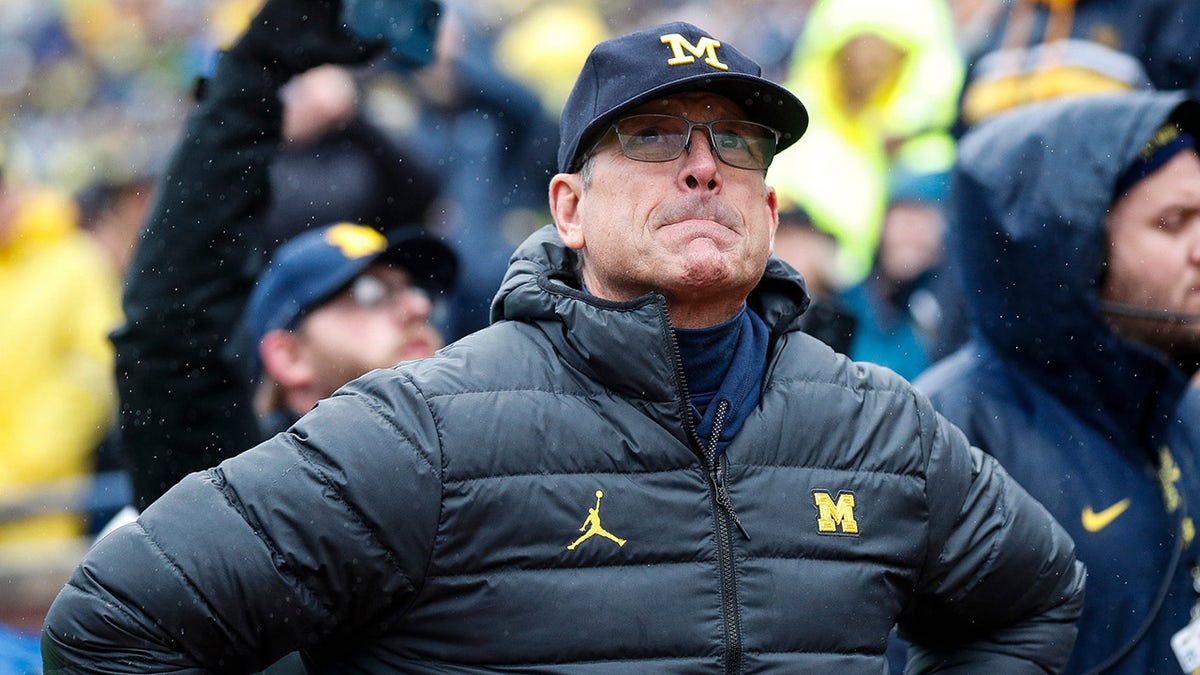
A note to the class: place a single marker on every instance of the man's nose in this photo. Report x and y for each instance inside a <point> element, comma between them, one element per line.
<point>701,160</point>
<point>706,145</point>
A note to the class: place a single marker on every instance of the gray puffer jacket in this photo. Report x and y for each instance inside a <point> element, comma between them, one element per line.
<point>534,499</point>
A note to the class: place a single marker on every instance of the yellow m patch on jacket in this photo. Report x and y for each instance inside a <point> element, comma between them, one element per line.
<point>835,516</point>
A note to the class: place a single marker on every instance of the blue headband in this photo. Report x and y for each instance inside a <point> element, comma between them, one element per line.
<point>1167,142</point>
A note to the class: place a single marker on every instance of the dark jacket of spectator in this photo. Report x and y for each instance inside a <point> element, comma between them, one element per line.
<point>1103,431</point>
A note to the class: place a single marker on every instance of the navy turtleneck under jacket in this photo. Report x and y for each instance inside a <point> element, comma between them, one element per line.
<point>726,363</point>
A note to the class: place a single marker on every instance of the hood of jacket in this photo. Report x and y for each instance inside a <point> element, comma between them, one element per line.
<point>1029,197</point>
<point>923,32</point>
<point>542,285</point>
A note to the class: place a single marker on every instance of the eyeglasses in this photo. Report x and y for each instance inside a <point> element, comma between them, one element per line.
<point>662,138</point>
<point>369,291</point>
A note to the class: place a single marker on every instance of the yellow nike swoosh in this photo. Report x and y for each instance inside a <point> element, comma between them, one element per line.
<point>1094,522</point>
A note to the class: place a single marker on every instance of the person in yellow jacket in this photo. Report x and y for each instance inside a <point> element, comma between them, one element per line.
<point>59,297</point>
<point>544,47</point>
<point>881,80</point>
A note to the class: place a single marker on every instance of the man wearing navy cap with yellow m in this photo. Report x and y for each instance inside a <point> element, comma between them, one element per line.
<point>336,302</point>
<point>642,465</point>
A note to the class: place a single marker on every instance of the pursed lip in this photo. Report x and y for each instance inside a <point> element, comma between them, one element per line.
<point>698,223</point>
<point>700,213</point>
<point>697,229</point>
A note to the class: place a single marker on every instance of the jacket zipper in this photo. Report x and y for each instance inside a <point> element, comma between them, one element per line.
<point>729,605</point>
<point>725,513</point>
<point>717,468</point>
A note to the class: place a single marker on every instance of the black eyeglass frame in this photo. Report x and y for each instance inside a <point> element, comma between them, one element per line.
<point>623,140</point>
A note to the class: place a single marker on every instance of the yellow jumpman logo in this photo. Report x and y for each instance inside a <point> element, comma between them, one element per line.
<point>1095,521</point>
<point>593,526</point>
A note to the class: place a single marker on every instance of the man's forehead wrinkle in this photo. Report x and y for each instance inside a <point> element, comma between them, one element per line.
<point>715,102</point>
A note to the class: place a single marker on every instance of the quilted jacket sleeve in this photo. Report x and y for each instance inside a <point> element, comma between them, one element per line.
<point>1002,589</point>
<point>316,534</point>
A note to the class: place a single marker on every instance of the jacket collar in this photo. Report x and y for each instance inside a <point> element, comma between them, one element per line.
<point>625,345</point>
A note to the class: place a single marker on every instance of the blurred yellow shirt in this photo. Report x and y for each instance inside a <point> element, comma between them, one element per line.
<point>59,298</point>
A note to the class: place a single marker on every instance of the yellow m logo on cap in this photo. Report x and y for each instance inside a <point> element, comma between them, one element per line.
<point>355,241</point>
<point>833,515</point>
<point>706,47</point>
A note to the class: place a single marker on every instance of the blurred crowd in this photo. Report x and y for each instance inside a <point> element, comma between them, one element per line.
<point>94,93</point>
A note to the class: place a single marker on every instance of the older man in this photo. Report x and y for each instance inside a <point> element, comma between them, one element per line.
<point>642,464</point>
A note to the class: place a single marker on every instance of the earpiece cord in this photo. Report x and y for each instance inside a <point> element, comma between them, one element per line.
<point>1145,313</point>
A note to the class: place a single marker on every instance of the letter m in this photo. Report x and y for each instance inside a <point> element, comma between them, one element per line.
<point>834,516</point>
<point>706,47</point>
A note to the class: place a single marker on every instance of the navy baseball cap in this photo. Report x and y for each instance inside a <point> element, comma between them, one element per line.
<point>310,268</point>
<point>624,72</point>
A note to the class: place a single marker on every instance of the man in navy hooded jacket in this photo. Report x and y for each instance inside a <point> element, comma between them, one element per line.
<point>1077,228</point>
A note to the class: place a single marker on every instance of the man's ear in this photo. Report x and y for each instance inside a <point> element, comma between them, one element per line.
<point>565,192</point>
<point>283,358</point>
